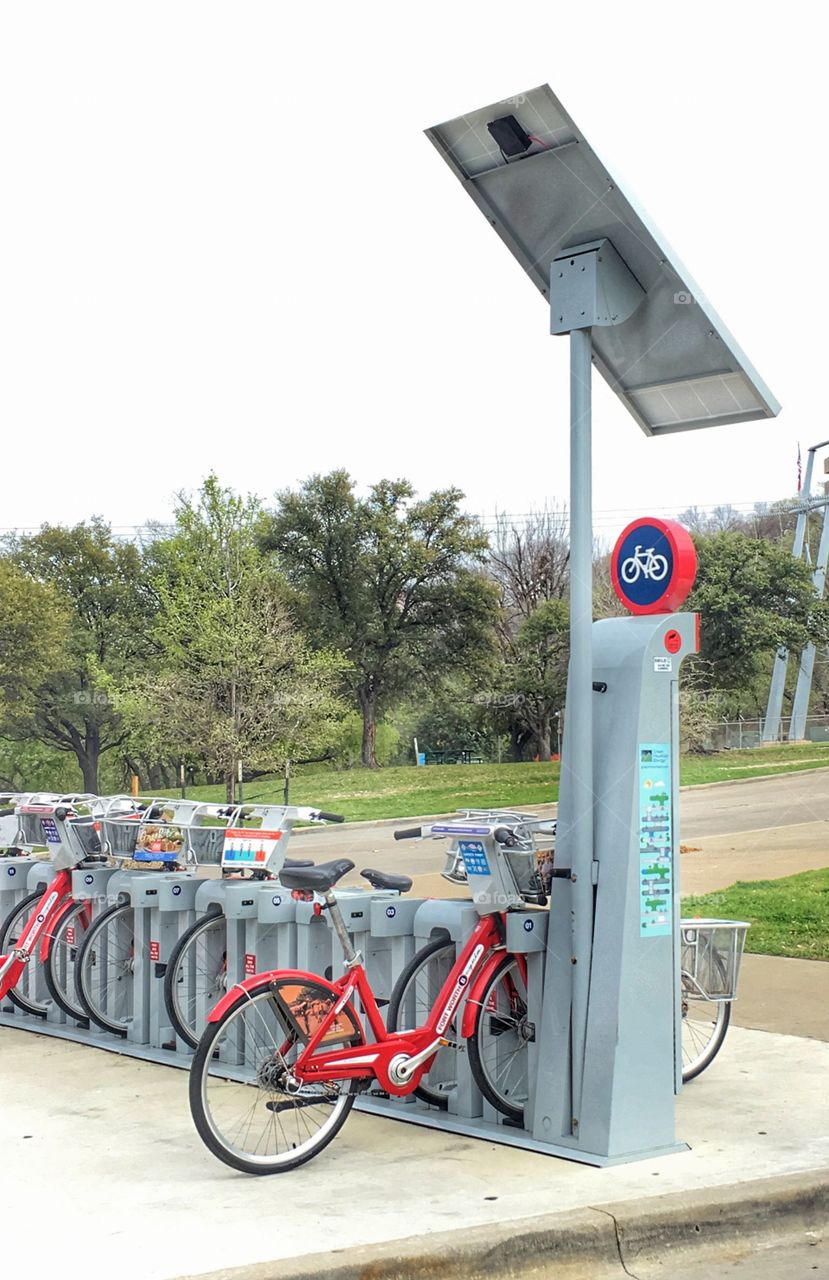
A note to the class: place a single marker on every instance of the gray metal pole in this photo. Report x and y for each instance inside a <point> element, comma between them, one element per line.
<point>580,708</point>
<point>800,706</point>
<point>771,725</point>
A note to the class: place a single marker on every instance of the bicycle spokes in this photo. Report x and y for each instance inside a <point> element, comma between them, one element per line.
<point>255,1108</point>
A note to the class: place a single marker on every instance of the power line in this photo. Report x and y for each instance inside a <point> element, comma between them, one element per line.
<point>603,516</point>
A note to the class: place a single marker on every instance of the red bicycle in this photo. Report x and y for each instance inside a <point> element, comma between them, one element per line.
<point>46,925</point>
<point>285,1053</point>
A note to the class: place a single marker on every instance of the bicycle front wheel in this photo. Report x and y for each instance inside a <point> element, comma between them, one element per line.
<point>59,968</point>
<point>412,1000</point>
<point>248,1109</point>
<point>704,1024</point>
<point>29,994</point>
<point>104,970</point>
<point>498,1046</point>
<point>196,976</point>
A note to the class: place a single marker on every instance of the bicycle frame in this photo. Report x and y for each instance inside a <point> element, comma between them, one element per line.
<point>397,1060</point>
<point>56,896</point>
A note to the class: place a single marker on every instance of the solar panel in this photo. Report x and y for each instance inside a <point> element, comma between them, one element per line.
<point>673,363</point>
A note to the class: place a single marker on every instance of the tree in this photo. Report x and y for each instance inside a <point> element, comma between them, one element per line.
<point>34,624</point>
<point>387,579</point>
<point>530,564</point>
<point>753,598</point>
<point>94,581</point>
<point>232,680</point>
<point>540,670</point>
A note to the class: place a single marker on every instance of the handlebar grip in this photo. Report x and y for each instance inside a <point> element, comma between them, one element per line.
<point>61,812</point>
<point>407,833</point>
<point>6,813</point>
<point>330,817</point>
<point>504,836</point>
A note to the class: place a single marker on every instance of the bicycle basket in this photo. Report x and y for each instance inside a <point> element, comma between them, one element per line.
<point>522,865</point>
<point>119,834</point>
<point>84,835</point>
<point>207,844</point>
<point>31,831</point>
<point>711,951</point>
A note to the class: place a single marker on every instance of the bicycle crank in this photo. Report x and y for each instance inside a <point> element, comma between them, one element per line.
<point>403,1066</point>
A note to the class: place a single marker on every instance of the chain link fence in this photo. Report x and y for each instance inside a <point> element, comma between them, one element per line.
<point>740,734</point>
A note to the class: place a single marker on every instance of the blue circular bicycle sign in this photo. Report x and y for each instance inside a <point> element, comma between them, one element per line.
<point>653,565</point>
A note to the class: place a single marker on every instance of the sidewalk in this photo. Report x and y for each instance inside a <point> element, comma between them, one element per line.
<point>108,1157</point>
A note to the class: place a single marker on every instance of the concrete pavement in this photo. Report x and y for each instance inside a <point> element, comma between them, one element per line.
<point>103,1145</point>
<point>103,1149</point>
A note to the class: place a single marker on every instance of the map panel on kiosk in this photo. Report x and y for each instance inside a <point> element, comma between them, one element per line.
<point>541,185</point>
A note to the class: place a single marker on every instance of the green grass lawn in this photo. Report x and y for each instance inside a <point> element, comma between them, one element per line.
<point>407,792</point>
<point>724,766</point>
<point>788,917</point>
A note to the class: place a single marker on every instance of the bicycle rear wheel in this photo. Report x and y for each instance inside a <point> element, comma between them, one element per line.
<point>104,970</point>
<point>29,993</point>
<point>412,999</point>
<point>196,976</point>
<point>59,967</point>
<point>248,1110</point>
<point>498,1046</point>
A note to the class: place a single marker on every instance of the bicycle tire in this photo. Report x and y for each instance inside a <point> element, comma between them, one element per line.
<point>502,1077</point>
<point>435,1095</point>
<point>20,913</point>
<point>86,959</point>
<point>705,1052</point>
<point>632,575</point>
<point>58,950</point>
<point>201,1077</point>
<point>663,566</point>
<point>174,976</point>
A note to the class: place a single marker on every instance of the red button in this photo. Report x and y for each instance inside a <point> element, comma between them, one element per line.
<point>673,641</point>
<point>260,855</point>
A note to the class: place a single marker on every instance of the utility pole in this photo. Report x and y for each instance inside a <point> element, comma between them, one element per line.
<point>774,707</point>
<point>800,706</point>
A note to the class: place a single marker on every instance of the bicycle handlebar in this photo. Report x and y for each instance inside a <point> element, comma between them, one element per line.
<point>408,833</point>
<point>6,813</point>
<point>324,816</point>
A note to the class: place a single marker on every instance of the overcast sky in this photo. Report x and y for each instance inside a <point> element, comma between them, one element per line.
<point>226,244</point>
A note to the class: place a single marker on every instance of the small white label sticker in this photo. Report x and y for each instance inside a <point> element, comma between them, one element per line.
<point>663,664</point>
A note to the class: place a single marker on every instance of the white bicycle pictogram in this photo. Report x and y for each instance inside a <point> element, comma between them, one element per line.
<point>647,564</point>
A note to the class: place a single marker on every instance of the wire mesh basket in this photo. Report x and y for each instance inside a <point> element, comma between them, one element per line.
<point>711,951</point>
<point>525,870</point>
<point>167,833</point>
<point>523,867</point>
<point>63,825</point>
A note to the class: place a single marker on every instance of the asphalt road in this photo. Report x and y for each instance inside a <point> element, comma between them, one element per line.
<point>807,1260</point>
<point>751,806</point>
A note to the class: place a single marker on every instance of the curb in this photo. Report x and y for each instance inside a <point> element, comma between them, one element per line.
<point>607,1238</point>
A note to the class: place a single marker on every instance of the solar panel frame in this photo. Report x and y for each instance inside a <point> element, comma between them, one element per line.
<point>673,363</point>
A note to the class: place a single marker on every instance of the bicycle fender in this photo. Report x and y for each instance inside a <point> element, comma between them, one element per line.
<point>476,991</point>
<point>301,976</point>
<point>48,934</point>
